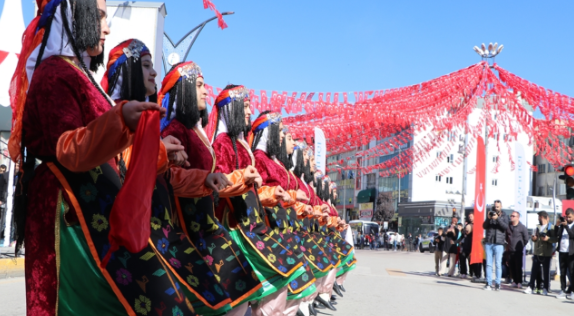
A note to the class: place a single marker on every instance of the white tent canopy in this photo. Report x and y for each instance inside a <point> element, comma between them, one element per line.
<point>11,29</point>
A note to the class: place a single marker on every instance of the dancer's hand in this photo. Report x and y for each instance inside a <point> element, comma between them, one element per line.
<point>132,111</point>
<point>307,210</point>
<point>301,196</point>
<point>324,209</point>
<point>250,175</point>
<point>281,195</point>
<point>259,181</point>
<point>175,151</point>
<point>217,181</point>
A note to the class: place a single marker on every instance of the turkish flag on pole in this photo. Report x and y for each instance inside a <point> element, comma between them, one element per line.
<point>479,204</point>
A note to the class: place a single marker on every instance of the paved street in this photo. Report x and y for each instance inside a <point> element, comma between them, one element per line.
<point>393,283</point>
<point>12,297</point>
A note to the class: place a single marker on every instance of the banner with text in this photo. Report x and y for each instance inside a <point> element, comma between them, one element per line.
<point>366,211</point>
<point>320,150</point>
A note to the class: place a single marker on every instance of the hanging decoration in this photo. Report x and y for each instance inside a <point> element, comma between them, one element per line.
<point>211,6</point>
<point>429,117</point>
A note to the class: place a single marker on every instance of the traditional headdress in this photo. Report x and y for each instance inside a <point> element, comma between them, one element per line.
<point>188,71</point>
<point>46,36</point>
<point>260,131</point>
<point>223,102</point>
<point>118,59</point>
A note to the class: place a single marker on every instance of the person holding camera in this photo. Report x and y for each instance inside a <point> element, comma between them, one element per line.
<point>517,238</point>
<point>439,258</point>
<point>543,239</point>
<point>451,245</point>
<point>495,227</point>
<point>566,252</point>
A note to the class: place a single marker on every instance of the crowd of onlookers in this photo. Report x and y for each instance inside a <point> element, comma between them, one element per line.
<point>386,241</point>
<point>503,250</point>
<point>504,243</point>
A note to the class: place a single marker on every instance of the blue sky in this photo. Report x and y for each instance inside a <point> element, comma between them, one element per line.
<point>322,46</point>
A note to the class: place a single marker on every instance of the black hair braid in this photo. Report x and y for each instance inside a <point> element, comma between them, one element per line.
<point>133,86</point>
<point>171,101</point>
<point>299,163</point>
<point>256,139</point>
<point>86,19</point>
<point>307,172</point>
<point>63,7</point>
<point>283,156</point>
<point>187,111</point>
<point>326,193</point>
<point>96,62</point>
<point>113,81</point>
<point>274,140</point>
<point>234,142</point>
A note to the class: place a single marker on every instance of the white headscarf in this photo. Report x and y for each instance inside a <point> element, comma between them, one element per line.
<point>58,43</point>
<point>262,145</point>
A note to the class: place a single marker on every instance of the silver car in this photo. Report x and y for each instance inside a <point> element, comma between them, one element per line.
<point>427,242</point>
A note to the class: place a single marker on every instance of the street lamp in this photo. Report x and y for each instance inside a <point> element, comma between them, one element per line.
<point>173,54</point>
<point>491,52</point>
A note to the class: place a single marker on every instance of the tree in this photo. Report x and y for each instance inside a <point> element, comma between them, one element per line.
<point>384,207</point>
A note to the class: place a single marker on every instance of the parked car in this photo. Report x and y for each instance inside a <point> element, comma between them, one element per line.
<point>427,242</point>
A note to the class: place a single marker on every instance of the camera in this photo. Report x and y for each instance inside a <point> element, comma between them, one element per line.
<point>561,218</point>
<point>542,235</point>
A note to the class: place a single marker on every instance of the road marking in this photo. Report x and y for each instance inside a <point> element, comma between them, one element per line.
<point>395,272</point>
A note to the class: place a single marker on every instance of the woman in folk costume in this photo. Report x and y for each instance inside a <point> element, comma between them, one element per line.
<point>349,261</point>
<point>266,138</point>
<point>321,210</point>
<point>328,228</point>
<point>184,95</point>
<point>130,76</point>
<point>320,255</point>
<point>275,264</point>
<point>72,207</point>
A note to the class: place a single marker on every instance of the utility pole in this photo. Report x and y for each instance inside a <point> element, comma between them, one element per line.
<point>464,167</point>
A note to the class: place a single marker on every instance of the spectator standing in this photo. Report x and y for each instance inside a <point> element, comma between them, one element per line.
<point>495,227</point>
<point>3,184</point>
<point>475,269</point>
<point>543,240</point>
<point>368,240</point>
<point>362,240</point>
<point>470,219</point>
<point>451,246</point>
<point>438,253</point>
<point>395,241</point>
<point>566,253</point>
<point>386,240</point>
<point>463,255</point>
<point>516,238</point>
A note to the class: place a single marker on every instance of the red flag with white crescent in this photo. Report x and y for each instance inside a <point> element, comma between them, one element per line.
<point>479,204</point>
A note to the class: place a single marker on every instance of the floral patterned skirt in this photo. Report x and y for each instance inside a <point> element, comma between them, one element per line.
<point>168,274</point>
